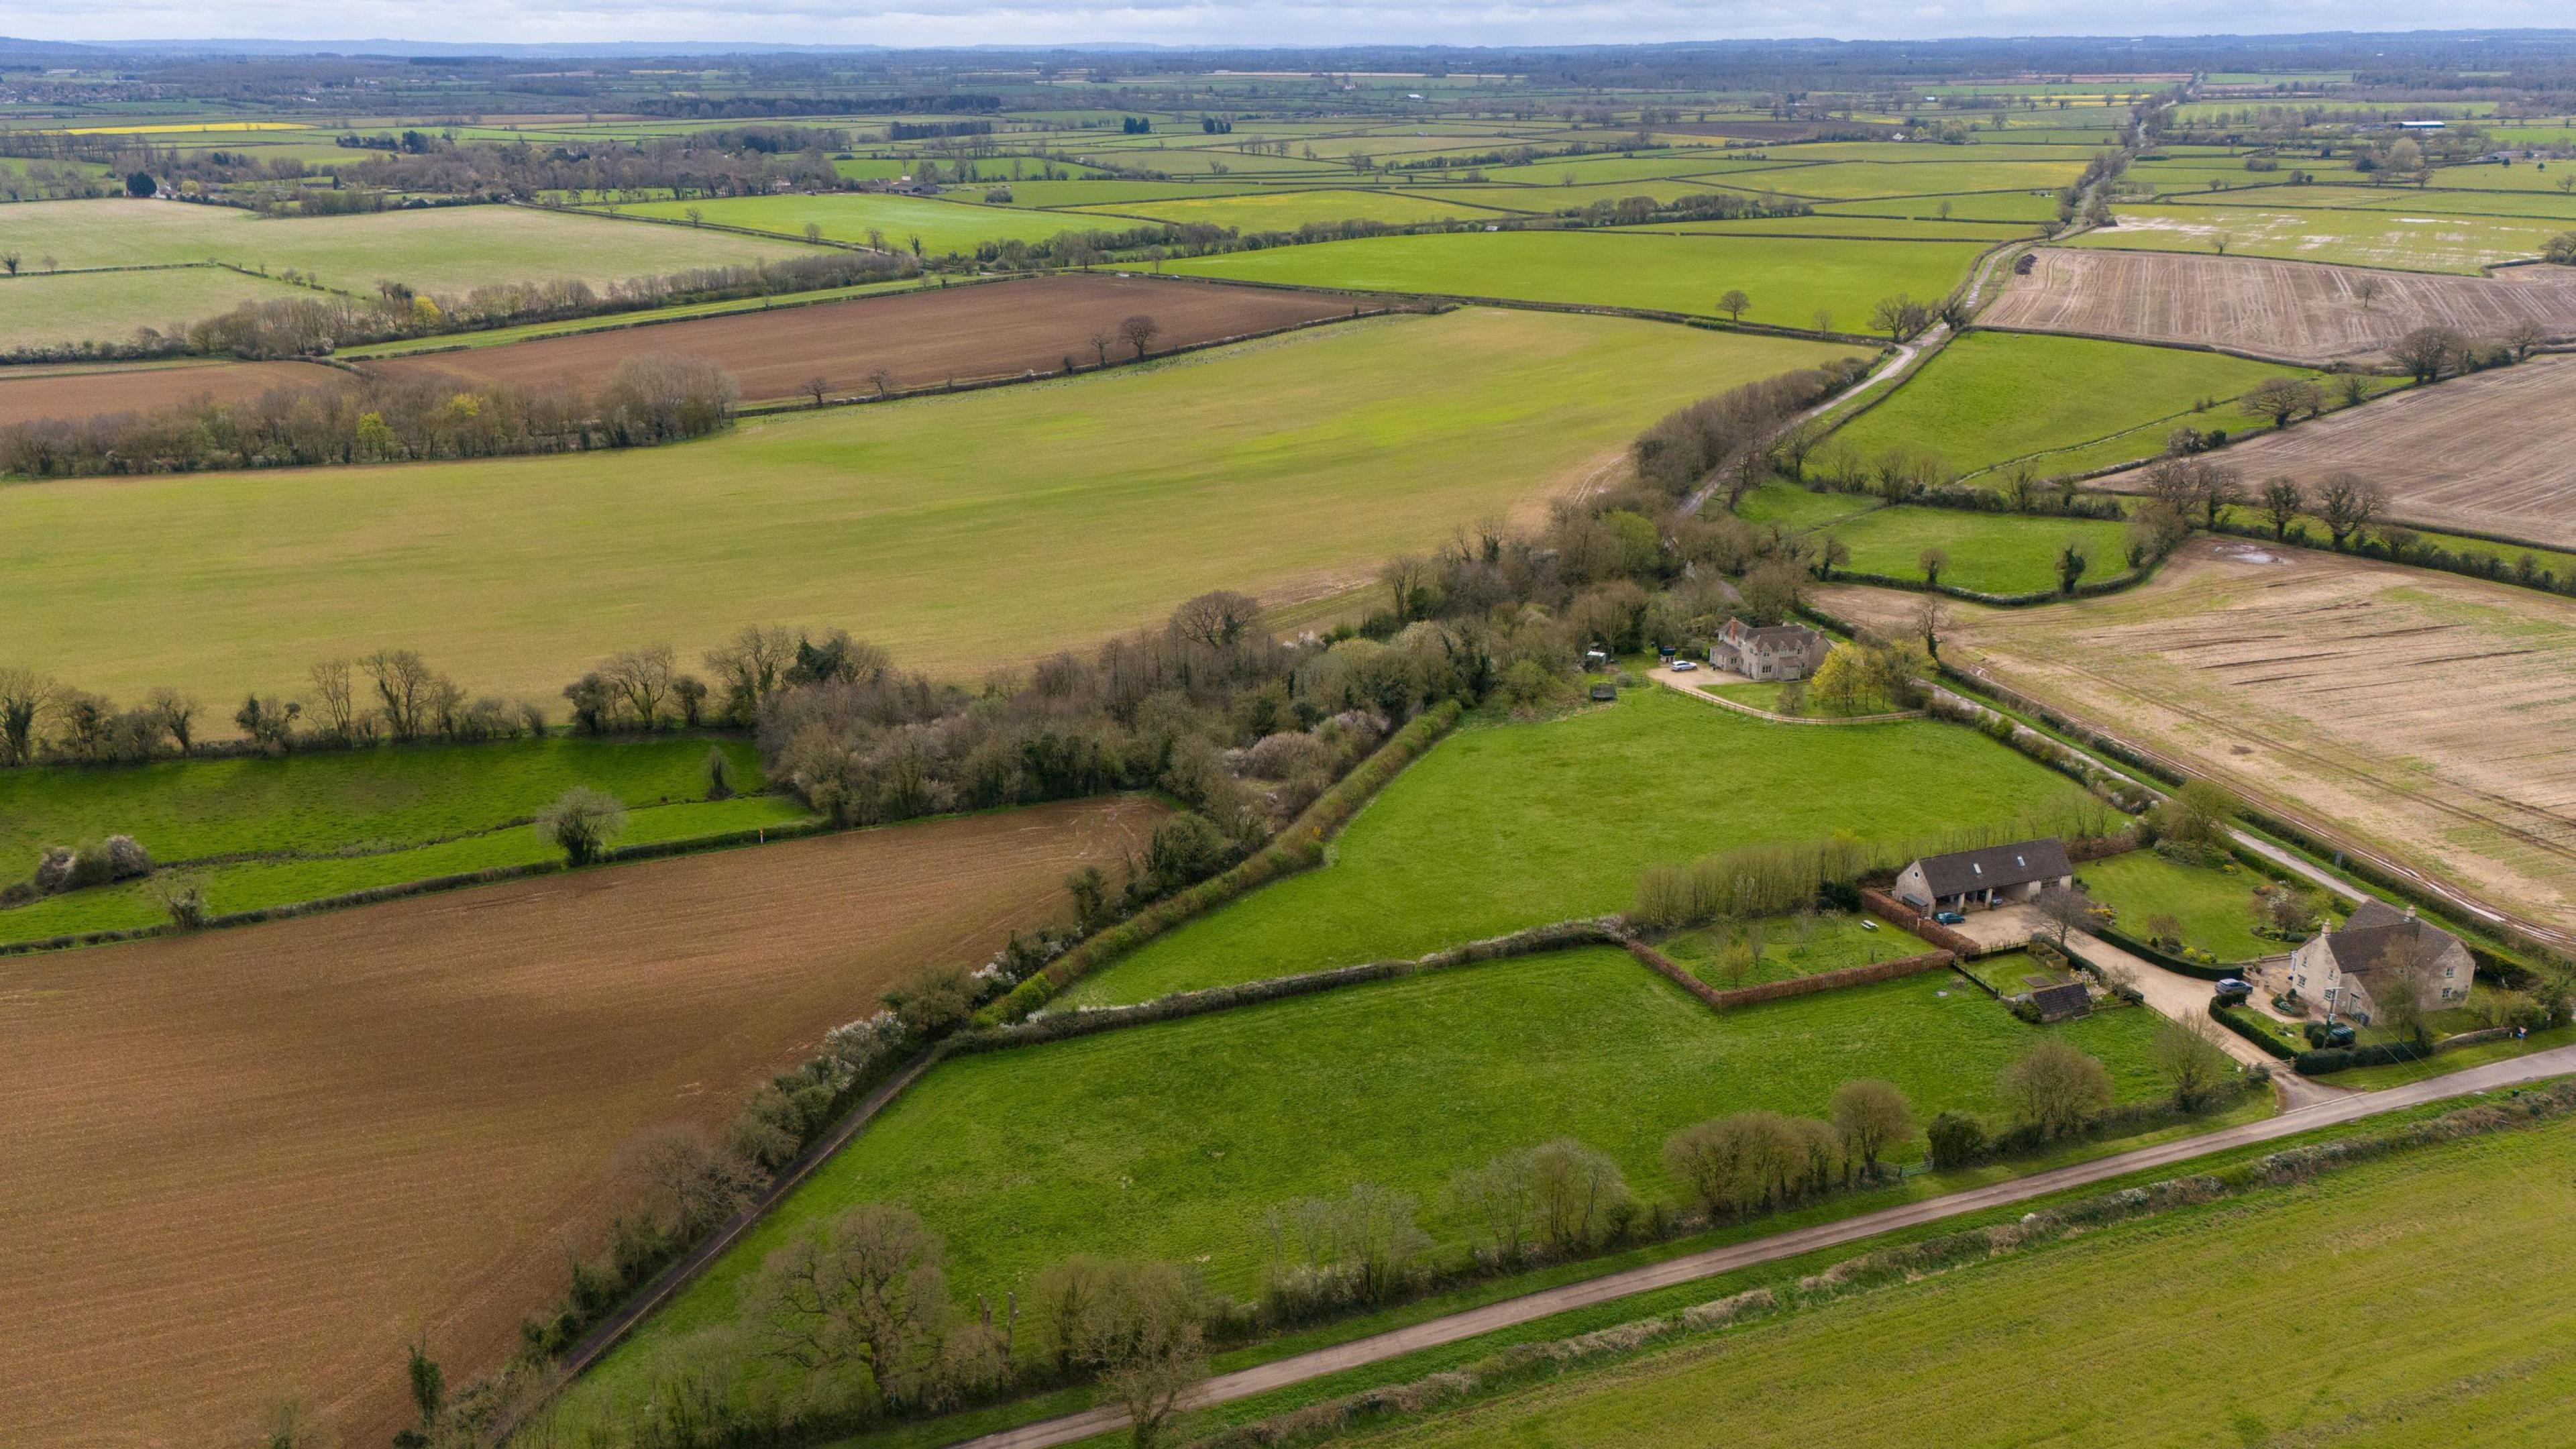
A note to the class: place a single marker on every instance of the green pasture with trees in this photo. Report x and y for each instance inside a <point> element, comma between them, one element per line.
<point>2209,907</point>
<point>1790,280</point>
<point>1512,825</point>
<point>39,310</point>
<point>2435,1302</point>
<point>942,226</point>
<point>959,532</point>
<point>1188,1133</point>
<point>2064,404</point>
<point>1991,553</point>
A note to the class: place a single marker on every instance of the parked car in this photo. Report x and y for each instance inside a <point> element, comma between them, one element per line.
<point>2235,990</point>
<point>2323,1034</point>
<point>1950,918</point>
<point>1683,665</point>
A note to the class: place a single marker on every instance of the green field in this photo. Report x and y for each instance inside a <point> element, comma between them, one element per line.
<point>1506,826</point>
<point>961,532</point>
<point>1792,946</point>
<point>497,336</point>
<point>1857,180</point>
<point>248,885</point>
<point>38,310</point>
<point>2395,1303</point>
<point>1186,1132</point>
<point>2068,404</point>
<point>1991,553</point>
<point>943,226</point>
<point>2423,241</point>
<point>1972,206</point>
<point>1789,278</point>
<point>1800,509</point>
<point>1287,210</point>
<point>2215,907</point>
<point>444,249</point>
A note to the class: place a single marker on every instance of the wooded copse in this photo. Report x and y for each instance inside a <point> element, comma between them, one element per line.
<point>646,399</point>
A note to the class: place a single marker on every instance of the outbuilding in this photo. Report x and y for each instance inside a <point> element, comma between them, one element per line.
<point>1968,880</point>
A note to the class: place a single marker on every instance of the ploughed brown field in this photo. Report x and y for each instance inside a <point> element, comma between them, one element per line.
<point>2423,715</point>
<point>239,1165</point>
<point>2297,311</point>
<point>31,393</point>
<point>2494,452</point>
<point>960,334</point>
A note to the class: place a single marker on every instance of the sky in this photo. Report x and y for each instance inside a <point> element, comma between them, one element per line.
<point>1226,22</point>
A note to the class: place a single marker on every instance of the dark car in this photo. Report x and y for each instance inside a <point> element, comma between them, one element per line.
<point>2234,990</point>
<point>1950,918</point>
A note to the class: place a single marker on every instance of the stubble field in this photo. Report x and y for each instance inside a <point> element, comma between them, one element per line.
<point>941,334</point>
<point>2493,453</point>
<point>240,1165</point>
<point>27,395</point>
<point>961,532</point>
<point>2293,310</point>
<point>2423,713</point>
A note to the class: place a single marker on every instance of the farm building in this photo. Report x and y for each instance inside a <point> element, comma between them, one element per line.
<point>1780,651</point>
<point>2057,1001</point>
<point>1967,879</point>
<point>2339,968</point>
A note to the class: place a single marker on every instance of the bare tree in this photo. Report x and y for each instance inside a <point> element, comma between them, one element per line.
<point>1100,341</point>
<point>2187,1052</point>
<point>867,1290</point>
<point>1500,1202</point>
<point>2347,503</point>
<point>2525,337</point>
<point>2064,910</point>
<point>2221,488</point>
<point>2055,1087</point>
<point>749,666</point>
<point>1872,1116</point>
<point>1931,617</point>
<point>679,1182</point>
<point>2368,288</point>
<point>403,680</point>
<point>581,823</point>
<point>882,379</point>
<point>24,696</point>
<point>1139,332</point>
<point>2427,352</point>
<point>1408,580</point>
<point>1932,561</point>
<point>643,679</point>
<point>2283,398</point>
<point>1900,317</point>
<point>2400,983</point>
<point>816,387</point>
<point>1218,620</point>
<point>2283,502</point>
<point>177,713</point>
<point>1577,1190</point>
<point>1733,304</point>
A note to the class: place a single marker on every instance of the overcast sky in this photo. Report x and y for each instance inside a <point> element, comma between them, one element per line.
<point>1225,22</point>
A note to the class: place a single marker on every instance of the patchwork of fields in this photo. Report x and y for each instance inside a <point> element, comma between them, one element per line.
<point>2494,453</point>
<point>2297,311</point>
<point>963,532</point>
<point>292,1140</point>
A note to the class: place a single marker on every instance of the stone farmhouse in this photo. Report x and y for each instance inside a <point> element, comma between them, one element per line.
<point>1780,651</point>
<point>1967,880</point>
<point>2337,969</point>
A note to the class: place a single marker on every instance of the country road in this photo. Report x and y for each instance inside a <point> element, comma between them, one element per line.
<point>1262,1378</point>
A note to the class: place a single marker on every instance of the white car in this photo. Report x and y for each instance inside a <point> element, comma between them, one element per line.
<point>1682,665</point>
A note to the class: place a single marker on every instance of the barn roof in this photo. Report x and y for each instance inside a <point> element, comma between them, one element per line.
<point>1996,866</point>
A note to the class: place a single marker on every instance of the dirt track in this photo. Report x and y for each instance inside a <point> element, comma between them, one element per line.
<point>2423,715</point>
<point>233,1166</point>
<point>31,393</point>
<point>962,334</point>
<point>2490,453</point>
<point>2295,310</point>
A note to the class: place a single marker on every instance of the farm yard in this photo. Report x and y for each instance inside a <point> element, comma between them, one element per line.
<point>1191,1130</point>
<point>2432,1256</point>
<point>30,394</point>
<point>2493,453</point>
<point>918,338</point>
<point>2423,713</point>
<point>292,1138</point>
<point>960,532</point>
<point>2297,311</point>
<point>1515,825</point>
<point>2061,404</point>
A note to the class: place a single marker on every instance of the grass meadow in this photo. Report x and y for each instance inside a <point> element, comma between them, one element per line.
<point>1790,279</point>
<point>1510,825</point>
<point>1992,553</point>
<point>962,532</point>
<point>2214,906</point>
<point>2420,239</point>
<point>1287,210</point>
<point>1792,946</point>
<point>41,310</point>
<point>942,226</point>
<point>1188,1131</point>
<point>442,249</point>
<point>2395,1302</point>
<point>2067,404</point>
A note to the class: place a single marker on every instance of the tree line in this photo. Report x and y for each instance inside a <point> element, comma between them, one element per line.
<point>646,399</point>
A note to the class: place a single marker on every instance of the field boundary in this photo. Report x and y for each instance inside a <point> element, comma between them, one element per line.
<point>1741,707</point>
<point>1842,976</point>
<point>794,301</point>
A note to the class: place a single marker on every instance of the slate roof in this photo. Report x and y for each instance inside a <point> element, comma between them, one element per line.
<point>2364,940</point>
<point>1997,866</point>
<point>2056,1003</point>
<point>1778,636</point>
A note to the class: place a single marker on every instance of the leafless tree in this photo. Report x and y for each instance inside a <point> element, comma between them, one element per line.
<point>2368,288</point>
<point>2525,337</point>
<point>2402,988</point>
<point>2283,502</point>
<point>817,387</point>
<point>2427,352</point>
<point>335,698</point>
<point>177,713</point>
<point>2187,1052</point>
<point>24,695</point>
<point>2283,398</point>
<point>1932,561</point>
<point>1500,1203</point>
<point>2347,502</point>
<point>1578,1189</point>
<point>1900,317</point>
<point>403,681</point>
<point>1100,341</point>
<point>1872,1116</point>
<point>1408,581</point>
<point>2064,910</point>
<point>1218,620</point>
<point>643,679</point>
<point>1931,618</point>
<point>2055,1087</point>
<point>679,1182</point>
<point>749,666</point>
<point>866,1290</point>
<point>1733,304</point>
<point>1139,332</point>
<point>882,379</point>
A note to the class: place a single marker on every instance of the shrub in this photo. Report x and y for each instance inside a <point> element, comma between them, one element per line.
<point>1955,1139</point>
<point>581,823</point>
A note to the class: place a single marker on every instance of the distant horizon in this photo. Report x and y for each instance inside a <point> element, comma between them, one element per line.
<point>487,27</point>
